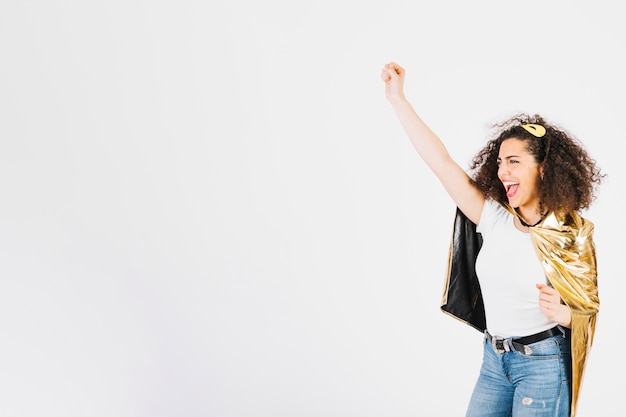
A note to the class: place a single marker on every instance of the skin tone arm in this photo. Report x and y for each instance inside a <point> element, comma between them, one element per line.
<point>430,148</point>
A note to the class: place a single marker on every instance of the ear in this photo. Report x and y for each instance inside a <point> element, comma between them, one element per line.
<point>541,171</point>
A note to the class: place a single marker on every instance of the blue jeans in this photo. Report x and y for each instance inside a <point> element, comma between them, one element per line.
<point>518,384</point>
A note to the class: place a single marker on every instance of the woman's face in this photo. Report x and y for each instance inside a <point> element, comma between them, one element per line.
<point>519,173</point>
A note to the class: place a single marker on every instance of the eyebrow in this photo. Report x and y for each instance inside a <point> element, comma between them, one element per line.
<point>509,157</point>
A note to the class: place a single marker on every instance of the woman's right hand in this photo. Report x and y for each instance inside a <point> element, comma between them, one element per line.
<point>393,76</point>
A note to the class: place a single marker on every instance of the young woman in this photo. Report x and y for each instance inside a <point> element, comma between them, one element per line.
<point>522,261</point>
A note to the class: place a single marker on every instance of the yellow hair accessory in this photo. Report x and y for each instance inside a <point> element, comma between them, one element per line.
<point>535,130</point>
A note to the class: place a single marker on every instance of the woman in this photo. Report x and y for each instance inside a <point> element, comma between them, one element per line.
<point>522,261</point>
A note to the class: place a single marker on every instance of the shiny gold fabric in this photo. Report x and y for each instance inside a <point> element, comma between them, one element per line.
<point>564,245</point>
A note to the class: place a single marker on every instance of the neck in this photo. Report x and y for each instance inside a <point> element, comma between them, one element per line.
<point>530,220</point>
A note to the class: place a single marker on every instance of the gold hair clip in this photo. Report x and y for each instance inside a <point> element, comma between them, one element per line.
<point>535,130</point>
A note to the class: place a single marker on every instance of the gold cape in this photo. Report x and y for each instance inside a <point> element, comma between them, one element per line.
<point>564,245</point>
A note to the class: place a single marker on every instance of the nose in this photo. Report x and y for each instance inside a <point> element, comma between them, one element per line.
<point>502,170</point>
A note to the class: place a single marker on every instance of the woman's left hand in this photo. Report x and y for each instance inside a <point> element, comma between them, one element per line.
<point>551,306</point>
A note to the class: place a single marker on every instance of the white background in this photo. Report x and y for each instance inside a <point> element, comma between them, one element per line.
<point>211,210</point>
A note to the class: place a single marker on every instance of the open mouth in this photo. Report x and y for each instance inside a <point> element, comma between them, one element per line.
<point>511,188</point>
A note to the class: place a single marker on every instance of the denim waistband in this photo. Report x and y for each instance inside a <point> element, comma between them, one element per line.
<point>509,344</point>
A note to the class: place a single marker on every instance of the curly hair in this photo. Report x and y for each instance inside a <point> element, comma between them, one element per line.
<point>570,176</point>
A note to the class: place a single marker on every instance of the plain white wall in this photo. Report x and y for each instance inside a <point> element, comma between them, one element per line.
<point>211,210</point>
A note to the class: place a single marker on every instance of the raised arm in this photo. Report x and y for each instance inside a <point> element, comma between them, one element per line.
<point>430,148</point>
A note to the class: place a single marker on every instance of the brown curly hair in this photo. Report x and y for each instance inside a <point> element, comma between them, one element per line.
<point>570,176</point>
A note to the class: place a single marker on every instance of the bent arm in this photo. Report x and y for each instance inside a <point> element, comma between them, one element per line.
<point>430,148</point>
